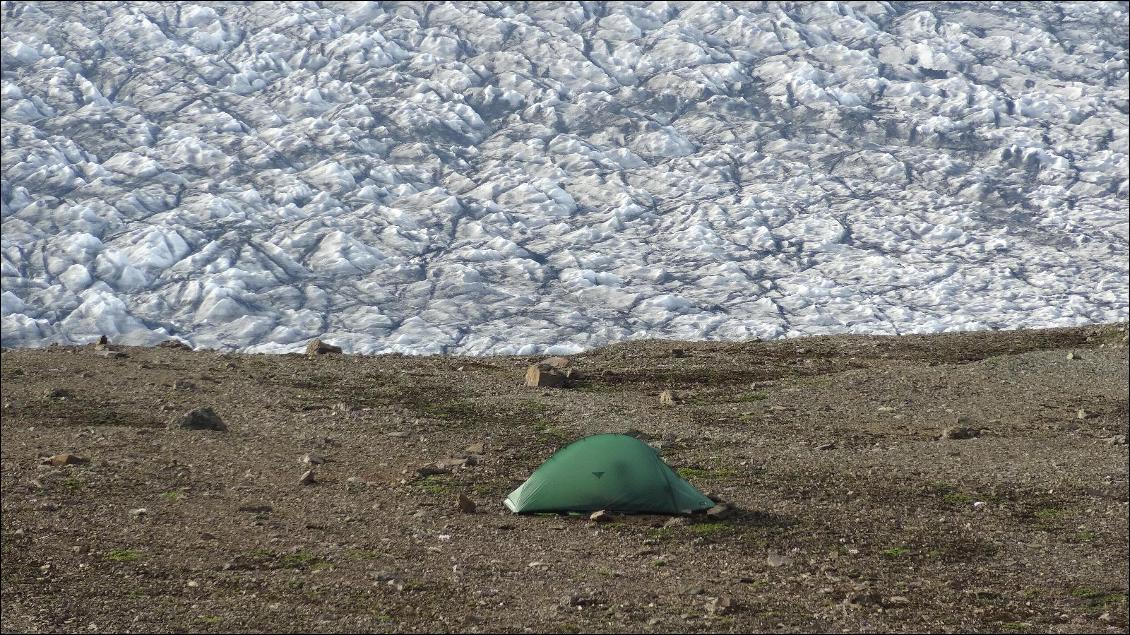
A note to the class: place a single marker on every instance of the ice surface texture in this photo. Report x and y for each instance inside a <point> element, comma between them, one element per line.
<point>500,178</point>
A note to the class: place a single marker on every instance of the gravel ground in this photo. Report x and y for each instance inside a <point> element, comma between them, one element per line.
<point>958,482</point>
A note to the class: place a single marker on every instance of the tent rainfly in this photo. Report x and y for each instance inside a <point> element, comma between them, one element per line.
<point>606,471</point>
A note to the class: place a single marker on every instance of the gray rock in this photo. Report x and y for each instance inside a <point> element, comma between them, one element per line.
<point>199,419</point>
<point>960,432</point>
<point>465,505</point>
<point>677,521</point>
<point>308,478</point>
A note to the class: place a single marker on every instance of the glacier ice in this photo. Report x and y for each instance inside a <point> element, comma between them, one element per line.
<point>482,178</point>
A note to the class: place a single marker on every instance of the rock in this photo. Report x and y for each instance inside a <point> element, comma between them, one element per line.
<point>174,344</point>
<point>432,470</point>
<point>718,512</point>
<point>199,419</point>
<point>775,559</point>
<point>112,354</point>
<point>256,508</point>
<point>557,363</point>
<point>313,459</point>
<point>138,514</point>
<point>65,458</point>
<point>602,516</point>
<point>678,352</point>
<point>318,347</point>
<point>960,432</point>
<point>308,478</point>
<point>183,384</point>
<point>831,445</point>
<point>666,398</point>
<point>1082,414</point>
<point>537,377</point>
<point>677,521</point>
<point>58,393</point>
<point>102,344</point>
<point>1118,439</point>
<point>1071,355</point>
<point>475,448</point>
<point>465,505</point>
<point>723,605</point>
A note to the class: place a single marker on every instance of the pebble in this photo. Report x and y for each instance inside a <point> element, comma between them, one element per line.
<point>465,505</point>
<point>718,512</point>
<point>65,458</point>
<point>307,478</point>
<point>602,516</point>
<point>960,432</point>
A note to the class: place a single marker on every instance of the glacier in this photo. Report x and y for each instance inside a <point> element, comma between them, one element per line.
<point>497,178</point>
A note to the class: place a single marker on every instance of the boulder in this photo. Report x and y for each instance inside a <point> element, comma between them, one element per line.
<point>65,458</point>
<point>199,419</point>
<point>539,377</point>
<point>318,347</point>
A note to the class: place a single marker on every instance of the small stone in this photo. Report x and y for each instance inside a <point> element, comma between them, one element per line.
<point>58,393</point>
<point>1081,414</point>
<point>1071,355</point>
<point>666,398</point>
<point>174,344</point>
<point>465,505</point>
<point>183,384</point>
<point>1118,439</point>
<point>138,514</point>
<point>723,605</point>
<point>677,521</point>
<point>960,432</point>
<point>318,347</point>
<point>307,478</point>
<point>775,559</point>
<point>537,377</point>
<point>432,470</point>
<point>678,352</point>
<point>65,458</point>
<point>979,504</point>
<point>256,508</point>
<point>718,512</point>
<point>112,354</point>
<point>313,459</point>
<point>475,448</point>
<point>831,445</point>
<point>199,419</point>
<point>602,516</point>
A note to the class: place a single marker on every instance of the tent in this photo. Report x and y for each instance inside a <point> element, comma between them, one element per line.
<point>606,471</point>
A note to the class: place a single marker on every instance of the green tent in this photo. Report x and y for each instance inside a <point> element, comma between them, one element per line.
<point>607,471</point>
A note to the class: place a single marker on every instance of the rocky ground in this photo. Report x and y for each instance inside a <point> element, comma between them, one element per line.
<point>959,482</point>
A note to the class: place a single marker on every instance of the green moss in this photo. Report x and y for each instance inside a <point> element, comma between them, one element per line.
<point>122,555</point>
<point>710,529</point>
<point>895,552</point>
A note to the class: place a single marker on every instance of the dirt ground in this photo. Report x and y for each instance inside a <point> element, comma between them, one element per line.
<point>851,510</point>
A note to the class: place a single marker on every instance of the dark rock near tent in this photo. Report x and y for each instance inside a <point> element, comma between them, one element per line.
<point>677,521</point>
<point>199,419</point>
<point>465,505</point>
<point>318,347</point>
<point>538,377</point>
